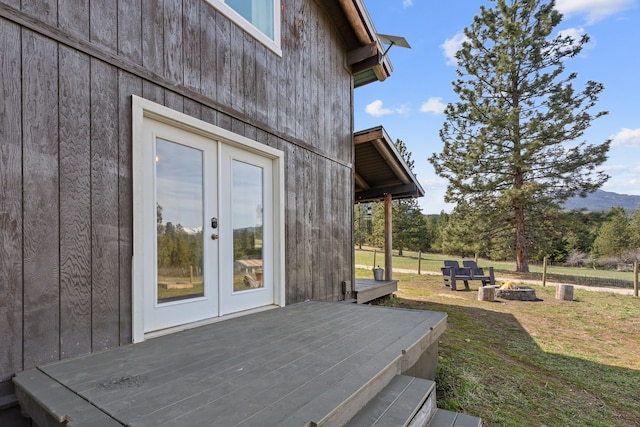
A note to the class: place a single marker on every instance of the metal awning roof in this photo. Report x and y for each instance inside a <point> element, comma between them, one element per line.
<point>380,169</point>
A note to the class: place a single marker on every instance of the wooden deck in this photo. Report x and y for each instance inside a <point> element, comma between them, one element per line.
<point>368,289</point>
<point>306,363</point>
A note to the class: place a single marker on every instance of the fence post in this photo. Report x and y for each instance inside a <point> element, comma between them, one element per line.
<point>635,278</point>
<point>544,271</point>
<point>419,260</point>
<point>375,252</point>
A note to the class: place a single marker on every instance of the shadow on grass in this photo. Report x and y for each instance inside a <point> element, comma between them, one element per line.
<point>490,366</point>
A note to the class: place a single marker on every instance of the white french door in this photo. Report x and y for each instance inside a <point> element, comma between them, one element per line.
<point>184,285</point>
<point>207,223</point>
<point>246,195</point>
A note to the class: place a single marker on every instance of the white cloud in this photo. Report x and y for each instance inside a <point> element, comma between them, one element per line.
<point>435,182</point>
<point>407,3</point>
<point>451,46</point>
<point>376,109</point>
<point>626,138</point>
<point>433,105</point>
<point>575,33</point>
<point>403,110</point>
<point>594,10</point>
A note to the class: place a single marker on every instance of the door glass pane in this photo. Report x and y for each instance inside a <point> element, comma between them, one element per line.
<point>180,216</point>
<point>247,218</point>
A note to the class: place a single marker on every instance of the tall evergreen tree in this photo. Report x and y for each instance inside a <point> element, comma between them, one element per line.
<point>409,225</point>
<point>513,143</point>
<point>634,230</point>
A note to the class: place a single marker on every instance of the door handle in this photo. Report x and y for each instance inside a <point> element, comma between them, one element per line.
<point>214,236</point>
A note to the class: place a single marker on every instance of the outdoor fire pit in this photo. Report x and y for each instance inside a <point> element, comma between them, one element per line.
<point>516,293</point>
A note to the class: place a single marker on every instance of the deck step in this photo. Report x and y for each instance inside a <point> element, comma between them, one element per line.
<point>402,400</point>
<point>366,290</point>
<point>50,404</point>
<point>444,418</point>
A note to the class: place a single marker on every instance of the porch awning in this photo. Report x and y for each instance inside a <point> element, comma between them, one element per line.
<point>380,169</point>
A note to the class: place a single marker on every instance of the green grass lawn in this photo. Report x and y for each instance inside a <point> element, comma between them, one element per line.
<point>543,363</point>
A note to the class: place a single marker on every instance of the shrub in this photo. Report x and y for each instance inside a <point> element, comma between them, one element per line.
<point>607,263</point>
<point>578,259</point>
<point>631,256</point>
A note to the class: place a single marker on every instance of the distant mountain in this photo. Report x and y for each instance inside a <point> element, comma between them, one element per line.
<point>603,201</point>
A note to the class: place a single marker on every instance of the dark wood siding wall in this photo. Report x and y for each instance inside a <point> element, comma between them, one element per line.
<point>68,72</point>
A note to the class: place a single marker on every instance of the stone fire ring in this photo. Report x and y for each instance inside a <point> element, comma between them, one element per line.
<point>518,294</point>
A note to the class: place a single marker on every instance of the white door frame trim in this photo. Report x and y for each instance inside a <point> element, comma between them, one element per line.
<point>143,108</point>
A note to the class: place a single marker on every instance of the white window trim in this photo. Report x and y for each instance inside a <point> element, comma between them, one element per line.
<point>142,108</point>
<point>247,26</point>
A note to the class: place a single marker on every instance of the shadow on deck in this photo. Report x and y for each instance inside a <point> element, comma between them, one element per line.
<point>306,364</point>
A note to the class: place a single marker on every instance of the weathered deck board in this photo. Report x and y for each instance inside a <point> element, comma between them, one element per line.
<point>289,366</point>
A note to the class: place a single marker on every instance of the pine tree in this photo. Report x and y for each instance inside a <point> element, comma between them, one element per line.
<point>634,230</point>
<point>409,225</point>
<point>512,143</point>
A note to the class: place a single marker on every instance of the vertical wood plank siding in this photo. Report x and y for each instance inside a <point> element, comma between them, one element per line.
<point>68,73</point>
<point>105,295</point>
<point>40,200</point>
<point>11,282</point>
<point>75,204</point>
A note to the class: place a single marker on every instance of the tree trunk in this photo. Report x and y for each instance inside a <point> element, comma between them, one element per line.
<point>522,257</point>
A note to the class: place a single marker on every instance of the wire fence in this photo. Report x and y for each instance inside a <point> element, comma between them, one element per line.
<point>581,280</point>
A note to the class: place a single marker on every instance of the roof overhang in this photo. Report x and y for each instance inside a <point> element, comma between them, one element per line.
<point>380,169</point>
<point>367,60</point>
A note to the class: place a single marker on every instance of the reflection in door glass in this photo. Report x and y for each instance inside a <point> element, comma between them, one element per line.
<point>179,217</point>
<point>246,211</point>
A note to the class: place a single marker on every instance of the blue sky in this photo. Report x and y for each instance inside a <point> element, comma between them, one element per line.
<point>410,103</point>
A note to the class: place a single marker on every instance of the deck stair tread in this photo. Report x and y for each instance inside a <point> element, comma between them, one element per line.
<point>444,418</point>
<point>397,403</point>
